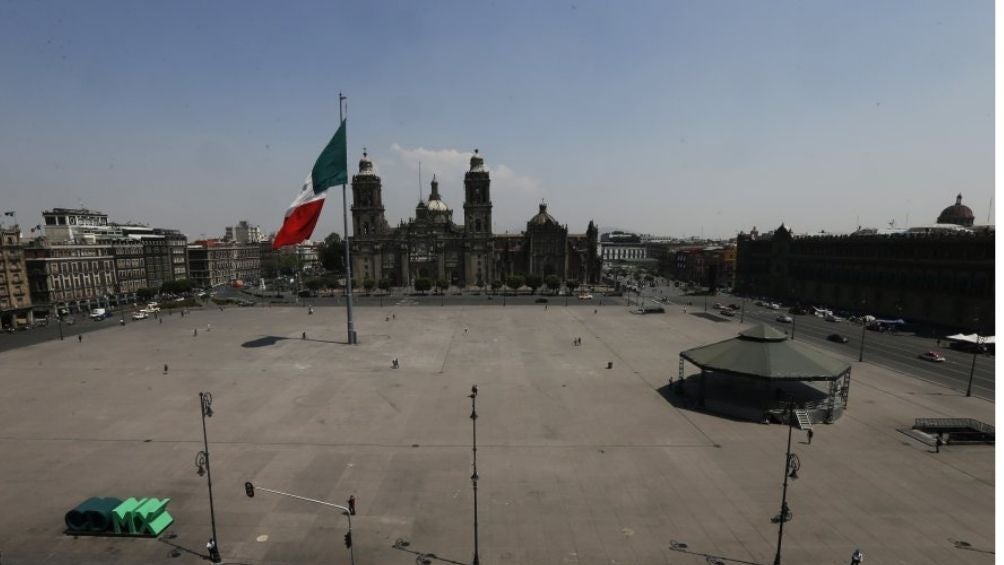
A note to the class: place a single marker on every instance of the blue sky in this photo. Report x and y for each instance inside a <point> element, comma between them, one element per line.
<point>676,118</point>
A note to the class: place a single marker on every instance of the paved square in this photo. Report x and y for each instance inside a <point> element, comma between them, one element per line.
<point>578,464</point>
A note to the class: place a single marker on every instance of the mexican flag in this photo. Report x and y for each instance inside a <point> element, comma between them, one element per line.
<point>330,169</point>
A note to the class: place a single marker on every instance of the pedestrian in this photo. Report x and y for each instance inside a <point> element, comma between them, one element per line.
<point>465,331</point>
<point>80,338</point>
<point>857,557</point>
<point>808,434</point>
<point>393,316</point>
<point>304,336</point>
<point>195,332</point>
<point>161,320</point>
<point>310,310</point>
<point>209,327</point>
<point>165,368</point>
<point>937,443</point>
<point>595,311</point>
<point>545,307</point>
<point>214,553</point>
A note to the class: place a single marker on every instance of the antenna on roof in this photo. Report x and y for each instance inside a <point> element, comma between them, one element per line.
<point>990,208</point>
<point>419,181</point>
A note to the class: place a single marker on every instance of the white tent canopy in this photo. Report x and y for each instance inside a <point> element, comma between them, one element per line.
<point>972,338</point>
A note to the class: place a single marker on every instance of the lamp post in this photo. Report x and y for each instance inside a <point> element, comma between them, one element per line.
<point>204,468</point>
<point>249,489</point>
<point>474,477</point>
<point>976,350</point>
<point>864,326</point>
<point>791,466</point>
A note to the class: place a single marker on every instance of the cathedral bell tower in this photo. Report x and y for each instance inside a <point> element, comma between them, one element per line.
<point>479,243</point>
<point>367,201</point>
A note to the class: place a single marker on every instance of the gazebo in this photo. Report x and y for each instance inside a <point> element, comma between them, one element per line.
<point>756,375</point>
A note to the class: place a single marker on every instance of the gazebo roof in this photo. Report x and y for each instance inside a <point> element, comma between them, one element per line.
<point>766,353</point>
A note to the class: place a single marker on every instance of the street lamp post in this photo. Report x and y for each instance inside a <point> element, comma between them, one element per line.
<point>474,477</point>
<point>864,326</point>
<point>204,468</point>
<point>976,350</point>
<point>249,489</point>
<point>791,465</point>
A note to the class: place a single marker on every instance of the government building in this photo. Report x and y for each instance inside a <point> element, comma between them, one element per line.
<point>468,254</point>
<point>941,273</point>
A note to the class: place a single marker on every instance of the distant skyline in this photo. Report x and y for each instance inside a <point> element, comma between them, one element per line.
<point>670,118</point>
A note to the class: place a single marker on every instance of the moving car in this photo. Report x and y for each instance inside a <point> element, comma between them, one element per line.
<point>837,338</point>
<point>727,313</point>
<point>99,314</point>
<point>585,297</point>
<point>141,315</point>
<point>932,356</point>
<point>784,319</point>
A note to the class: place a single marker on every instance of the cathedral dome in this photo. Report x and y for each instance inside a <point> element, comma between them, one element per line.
<point>958,214</point>
<point>365,165</point>
<point>436,204</point>
<point>477,162</point>
<point>543,218</point>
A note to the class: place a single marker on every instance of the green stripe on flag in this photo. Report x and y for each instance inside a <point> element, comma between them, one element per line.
<point>331,167</point>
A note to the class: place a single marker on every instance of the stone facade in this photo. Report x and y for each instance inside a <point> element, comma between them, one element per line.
<point>942,278</point>
<point>467,254</point>
<point>214,262</point>
<point>15,298</point>
<point>75,276</point>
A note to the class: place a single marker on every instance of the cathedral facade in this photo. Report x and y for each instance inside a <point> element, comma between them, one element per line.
<point>468,254</point>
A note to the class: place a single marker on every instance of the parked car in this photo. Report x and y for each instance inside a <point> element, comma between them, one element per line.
<point>837,338</point>
<point>932,356</point>
<point>585,297</point>
<point>727,313</point>
<point>141,315</point>
<point>245,303</point>
<point>832,318</point>
<point>784,319</point>
<point>99,314</point>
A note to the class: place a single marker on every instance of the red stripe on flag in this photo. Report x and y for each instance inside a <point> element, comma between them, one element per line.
<point>299,224</point>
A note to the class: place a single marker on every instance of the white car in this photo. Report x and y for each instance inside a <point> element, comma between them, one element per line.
<point>140,315</point>
<point>585,297</point>
<point>784,319</point>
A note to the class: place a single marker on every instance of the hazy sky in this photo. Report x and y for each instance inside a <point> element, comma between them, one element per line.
<point>676,118</point>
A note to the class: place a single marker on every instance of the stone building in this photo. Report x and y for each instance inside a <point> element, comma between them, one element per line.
<point>942,274</point>
<point>213,262</point>
<point>15,298</point>
<point>73,276</point>
<point>433,246</point>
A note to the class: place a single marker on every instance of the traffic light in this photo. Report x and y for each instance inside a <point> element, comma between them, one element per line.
<point>249,489</point>
<point>348,540</point>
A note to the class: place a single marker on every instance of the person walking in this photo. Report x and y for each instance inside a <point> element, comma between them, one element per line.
<point>937,443</point>
<point>80,338</point>
<point>857,557</point>
<point>808,435</point>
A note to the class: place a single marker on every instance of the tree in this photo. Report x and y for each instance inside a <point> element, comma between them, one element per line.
<point>423,284</point>
<point>496,285</point>
<point>314,283</point>
<point>442,284</point>
<point>552,282</point>
<point>384,285</point>
<point>515,282</point>
<point>331,253</point>
<point>146,294</point>
<point>369,284</point>
<point>572,284</point>
<point>534,282</point>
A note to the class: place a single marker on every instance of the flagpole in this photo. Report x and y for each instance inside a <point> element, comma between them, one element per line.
<point>352,338</point>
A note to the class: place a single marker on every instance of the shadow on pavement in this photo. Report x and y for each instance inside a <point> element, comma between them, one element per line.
<point>268,340</point>
<point>712,559</point>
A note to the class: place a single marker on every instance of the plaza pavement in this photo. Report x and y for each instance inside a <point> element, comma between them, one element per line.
<point>578,464</point>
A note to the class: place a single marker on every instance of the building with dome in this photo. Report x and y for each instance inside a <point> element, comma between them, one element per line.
<point>431,245</point>
<point>958,214</point>
<point>940,274</point>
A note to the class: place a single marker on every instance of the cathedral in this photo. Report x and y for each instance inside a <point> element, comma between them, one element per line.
<point>469,254</point>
